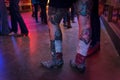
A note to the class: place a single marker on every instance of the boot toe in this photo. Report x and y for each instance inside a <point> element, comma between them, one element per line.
<point>48,64</point>
<point>51,65</point>
<point>79,68</point>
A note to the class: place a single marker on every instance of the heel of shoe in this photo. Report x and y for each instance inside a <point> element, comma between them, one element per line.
<point>77,68</point>
<point>24,34</point>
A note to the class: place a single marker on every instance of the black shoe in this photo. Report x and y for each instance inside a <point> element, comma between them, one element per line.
<point>12,34</point>
<point>22,35</point>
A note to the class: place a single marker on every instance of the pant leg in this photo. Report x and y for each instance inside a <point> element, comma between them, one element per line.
<point>95,24</point>
<point>36,12</point>
<point>13,20</point>
<point>19,19</point>
<point>43,14</point>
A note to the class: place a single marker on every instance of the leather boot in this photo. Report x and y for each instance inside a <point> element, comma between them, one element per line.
<point>78,63</point>
<point>55,63</point>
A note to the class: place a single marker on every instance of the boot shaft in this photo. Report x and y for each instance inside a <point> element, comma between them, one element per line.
<point>79,59</point>
<point>57,58</point>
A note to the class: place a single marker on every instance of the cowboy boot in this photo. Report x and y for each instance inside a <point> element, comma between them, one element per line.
<point>55,63</point>
<point>78,63</point>
<point>93,49</point>
<point>56,51</point>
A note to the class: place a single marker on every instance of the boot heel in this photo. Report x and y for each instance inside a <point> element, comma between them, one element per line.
<point>24,34</point>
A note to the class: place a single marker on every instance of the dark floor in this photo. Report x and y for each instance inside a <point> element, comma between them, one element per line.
<point>20,57</point>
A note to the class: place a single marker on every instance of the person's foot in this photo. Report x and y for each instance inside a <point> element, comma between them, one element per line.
<point>12,34</point>
<point>24,34</point>
<point>51,65</point>
<point>18,35</point>
<point>56,62</point>
<point>93,49</point>
<point>78,67</point>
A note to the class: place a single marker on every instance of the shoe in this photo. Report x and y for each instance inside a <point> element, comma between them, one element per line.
<point>80,68</point>
<point>94,49</point>
<point>25,34</point>
<point>78,63</point>
<point>12,34</point>
<point>52,64</point>
<point>22,35</point>
<point>55,63</point>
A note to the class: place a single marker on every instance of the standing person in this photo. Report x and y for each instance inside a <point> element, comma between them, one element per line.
<point>56,11</point>
<point>95,24</point>
<point>43,4</point>
<point>35,4</point>
<point>17,18</point>
<point>4,26</point>
<point>83,11</point>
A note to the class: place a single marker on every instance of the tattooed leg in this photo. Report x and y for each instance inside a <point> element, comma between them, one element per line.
<point>54,18</point>
<point>83,12</point>
<point>84,35</point>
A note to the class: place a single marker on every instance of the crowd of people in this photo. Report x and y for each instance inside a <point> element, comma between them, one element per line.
<point>16,18</point>
<point>39,5</point>
<point>87,12</point>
